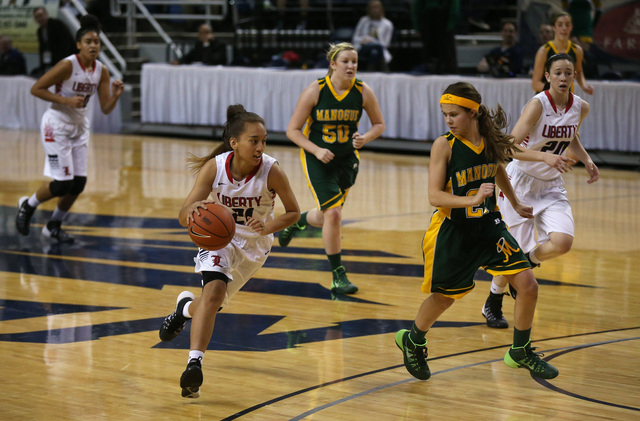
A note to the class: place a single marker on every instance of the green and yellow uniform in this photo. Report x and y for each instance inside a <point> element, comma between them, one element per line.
<point>331,125</point>
<point>461,240</point>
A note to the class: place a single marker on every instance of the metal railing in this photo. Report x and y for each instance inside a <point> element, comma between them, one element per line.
<point>208,14</point>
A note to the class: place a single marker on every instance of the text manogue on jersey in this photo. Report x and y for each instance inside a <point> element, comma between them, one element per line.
<point>552,132</point>
<point>337,115</point>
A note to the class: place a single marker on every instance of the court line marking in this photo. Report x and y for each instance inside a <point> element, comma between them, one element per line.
<point>308,389</point>
<point>542,382</point>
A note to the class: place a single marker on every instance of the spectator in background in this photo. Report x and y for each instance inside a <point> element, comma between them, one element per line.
<point>435,21</point>
<point>561,43</point>
<point>54,39</point>
<point>12,62</point>
<point>506,60</point>
<point>545,33</point>
<point>583,17</point>
<point>207,50</point>
<point>372,38</point>
<point>589,62</point>
<point>281,5</point>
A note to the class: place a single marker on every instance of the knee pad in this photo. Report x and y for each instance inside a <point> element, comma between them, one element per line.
<point>78,185</point>
<point>209,276</point>
<point>60,188</point>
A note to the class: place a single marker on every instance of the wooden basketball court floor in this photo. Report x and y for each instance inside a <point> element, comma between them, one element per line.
<point>79,323</point>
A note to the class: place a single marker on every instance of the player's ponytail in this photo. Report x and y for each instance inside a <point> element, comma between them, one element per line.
<point>88,23</point>
<point>237,116</point>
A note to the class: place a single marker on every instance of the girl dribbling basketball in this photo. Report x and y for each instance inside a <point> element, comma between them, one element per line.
<point>239,172</point>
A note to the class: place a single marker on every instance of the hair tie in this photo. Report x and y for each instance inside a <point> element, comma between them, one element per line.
<point>458,100</point>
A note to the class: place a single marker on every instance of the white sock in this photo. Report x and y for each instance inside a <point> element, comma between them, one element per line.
<point>532,256</point>
<point>194,353</point>
<point>495,288</point>
<point>58,215</point>
<point>33,201</point>
<point>185,310</point>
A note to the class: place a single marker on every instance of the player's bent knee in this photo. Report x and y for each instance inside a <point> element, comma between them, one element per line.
<point>60,188</point>
<point>78,185</point>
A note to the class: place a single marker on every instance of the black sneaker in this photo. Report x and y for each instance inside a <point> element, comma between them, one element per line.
<point>285,236</point>
<point>492,311</point>
<point>174,323</point>
<point>23,218</point>
<point>191,379</point>
<point>525,357</point>
<point>415,356</point>
<point>341,284</point>
<point>53,230</point>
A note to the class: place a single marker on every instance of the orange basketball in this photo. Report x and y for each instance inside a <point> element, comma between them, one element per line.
<point>214,228</point>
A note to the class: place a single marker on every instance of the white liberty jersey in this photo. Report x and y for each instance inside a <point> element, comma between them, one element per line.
<point>82,82</point>
<point>552,134</point>
<point>245,198</point>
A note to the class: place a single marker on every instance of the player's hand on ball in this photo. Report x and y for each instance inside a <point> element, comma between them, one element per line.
<point>202,204</point>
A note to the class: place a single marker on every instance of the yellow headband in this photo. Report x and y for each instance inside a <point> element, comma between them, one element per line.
<point>336,52</point>
<point>457,100</point>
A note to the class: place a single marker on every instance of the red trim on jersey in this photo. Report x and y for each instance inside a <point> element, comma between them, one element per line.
<point>254,172</point>
<point>569,103</point>
<point>227,167</point>
<point>555,109</point>
<point>80,63</point>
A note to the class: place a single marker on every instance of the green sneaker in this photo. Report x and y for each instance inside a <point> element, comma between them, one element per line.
<point>341,284</point>
<point>415,356</point>
<point>525,357</point>
<point>285,236</point>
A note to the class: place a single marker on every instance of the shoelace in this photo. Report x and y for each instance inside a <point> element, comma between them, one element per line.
<point>169,321</point>
<point>420,358</point>
<point>420,352</point>
<point>534,360</point>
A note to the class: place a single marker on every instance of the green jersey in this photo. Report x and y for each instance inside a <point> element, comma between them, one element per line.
<point>334,120</point>
<point>466,171</point>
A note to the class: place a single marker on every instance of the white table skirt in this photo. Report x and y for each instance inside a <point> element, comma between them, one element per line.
<point>21,110</point>
<point>199,95</point>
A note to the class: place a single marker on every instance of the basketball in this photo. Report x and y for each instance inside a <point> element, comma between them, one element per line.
<point>213,229</point>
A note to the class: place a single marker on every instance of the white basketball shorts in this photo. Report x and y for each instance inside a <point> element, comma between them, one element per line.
<point>66,147</point>
<point>239,261</point>
<point>551,209</point>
